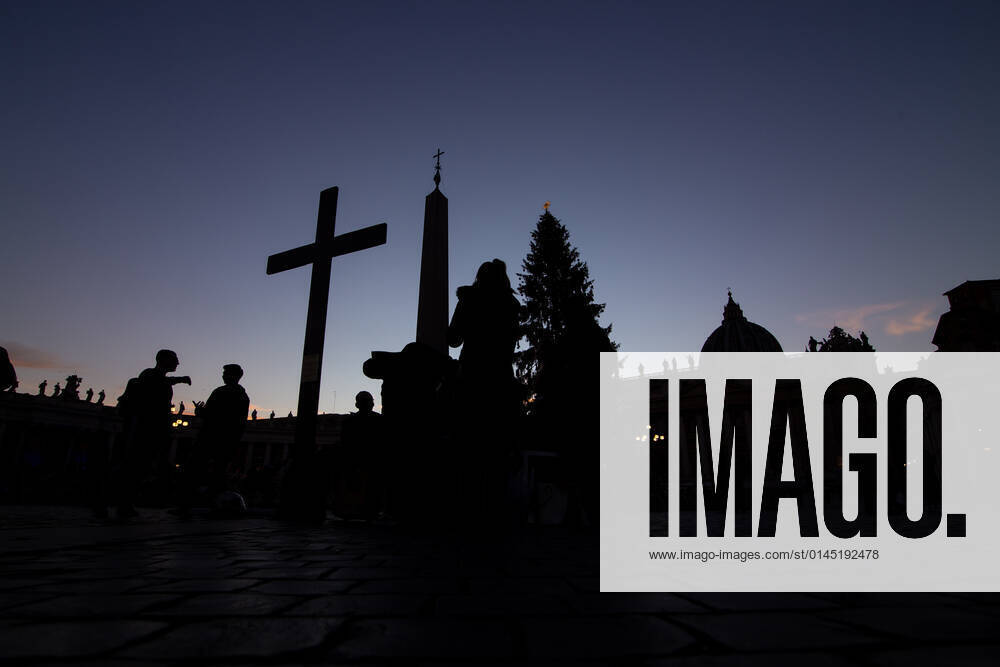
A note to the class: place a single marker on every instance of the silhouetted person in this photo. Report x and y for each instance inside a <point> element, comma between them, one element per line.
<point>813,343</point>
<point>56,390</point>
<point>180,410</point>
<point>8,378</point>
<point>41,387</point>
<point>146,407</point>
<point>90,394</point>
<point>253,415</point>
<point>485,323</point>
<point>272,415</point>
<point>289,414</point>
<point>224,416</point>
<point>100,397</point>
<point>359,465</point>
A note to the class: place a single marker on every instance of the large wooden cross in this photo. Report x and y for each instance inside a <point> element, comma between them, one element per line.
<point>319,254</point>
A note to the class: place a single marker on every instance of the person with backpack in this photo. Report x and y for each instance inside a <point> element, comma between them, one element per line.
<point>145,407</point>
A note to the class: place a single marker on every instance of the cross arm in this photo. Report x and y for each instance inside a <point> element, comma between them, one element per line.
<point>369,237</point>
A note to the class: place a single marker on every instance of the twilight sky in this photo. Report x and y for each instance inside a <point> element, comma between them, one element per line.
<point>832,162</point>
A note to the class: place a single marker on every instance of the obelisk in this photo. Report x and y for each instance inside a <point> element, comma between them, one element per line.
<point>432,305</point>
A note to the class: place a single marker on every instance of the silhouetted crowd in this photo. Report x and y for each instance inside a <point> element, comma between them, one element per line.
<point>446,450</point>
<point>143,450</point>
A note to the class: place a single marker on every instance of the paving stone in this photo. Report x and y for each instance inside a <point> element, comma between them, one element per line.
<point>242,637</point>
<point>553,569</point>
<point>405,562</point>
<point>119,564</point>
<point>200,586</point>
<point>259,555</point>
<point>465,571</point>
<point>93,574</point>
<point>333,559</point>
<point>991,609</point>
<point>88,606</point>
<point>758,601</point>
<point>360,605</point>
<point>94,587</point>
<point>186,562</point>
<point>286,572</point>
<point>595,637</point>
<point>359,573</point>
<point>300,587</point>
<point>35,569</point>
<point>491,604</point>
<point>241,565</point>
<point>46,640</point>
<point>540,585</point>
<point>773,631</point>
<point>765,660</point>
<point>890,599</point>
<point>100,662</point>
<point>228,604</point>
<point>408,586</point>
<point>222,571</point>
<point>921,623</point>
<point>16,584</point>
<point>424,638</point>
<point>60,559</point>
<point>585,584</point>
<point>631,603</point>
<point>990,598</point>
<point>967,656</point>
<point>8,600</point>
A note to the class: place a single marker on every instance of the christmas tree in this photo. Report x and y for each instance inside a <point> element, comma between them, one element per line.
<point>560,327</point>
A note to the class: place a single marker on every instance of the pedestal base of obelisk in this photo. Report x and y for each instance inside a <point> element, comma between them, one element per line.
<point>420,422</point>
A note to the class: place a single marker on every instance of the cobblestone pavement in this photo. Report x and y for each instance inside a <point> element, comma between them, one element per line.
<point>253,591</point>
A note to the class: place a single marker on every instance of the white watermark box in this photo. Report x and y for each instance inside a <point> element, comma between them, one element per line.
<point>800,472</point>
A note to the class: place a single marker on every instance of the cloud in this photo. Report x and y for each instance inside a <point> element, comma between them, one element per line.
<point>25,356</point>
<point>921,321</point>
<point>907,317</point>
<point>849,319</point>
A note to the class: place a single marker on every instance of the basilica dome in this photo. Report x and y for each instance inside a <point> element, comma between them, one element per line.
<point>737,334</point>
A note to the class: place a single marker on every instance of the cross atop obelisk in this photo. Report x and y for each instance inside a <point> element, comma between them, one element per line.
<point>437,168</point>
<point>432,305</point>
<point>299,500</point>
